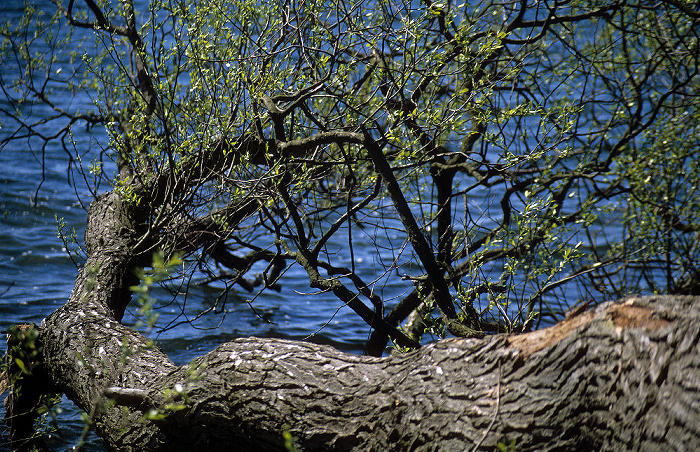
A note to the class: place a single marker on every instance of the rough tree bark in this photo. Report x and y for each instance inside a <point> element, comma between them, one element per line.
<point>624,376</point>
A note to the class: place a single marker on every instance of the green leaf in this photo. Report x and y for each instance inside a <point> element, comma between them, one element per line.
<point>21,365</point>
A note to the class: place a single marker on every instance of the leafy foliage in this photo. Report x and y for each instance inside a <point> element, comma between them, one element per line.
<point>506,160</point>
<point>22,373</point>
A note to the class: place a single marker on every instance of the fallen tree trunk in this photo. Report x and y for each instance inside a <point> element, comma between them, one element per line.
<point>624,376</point>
